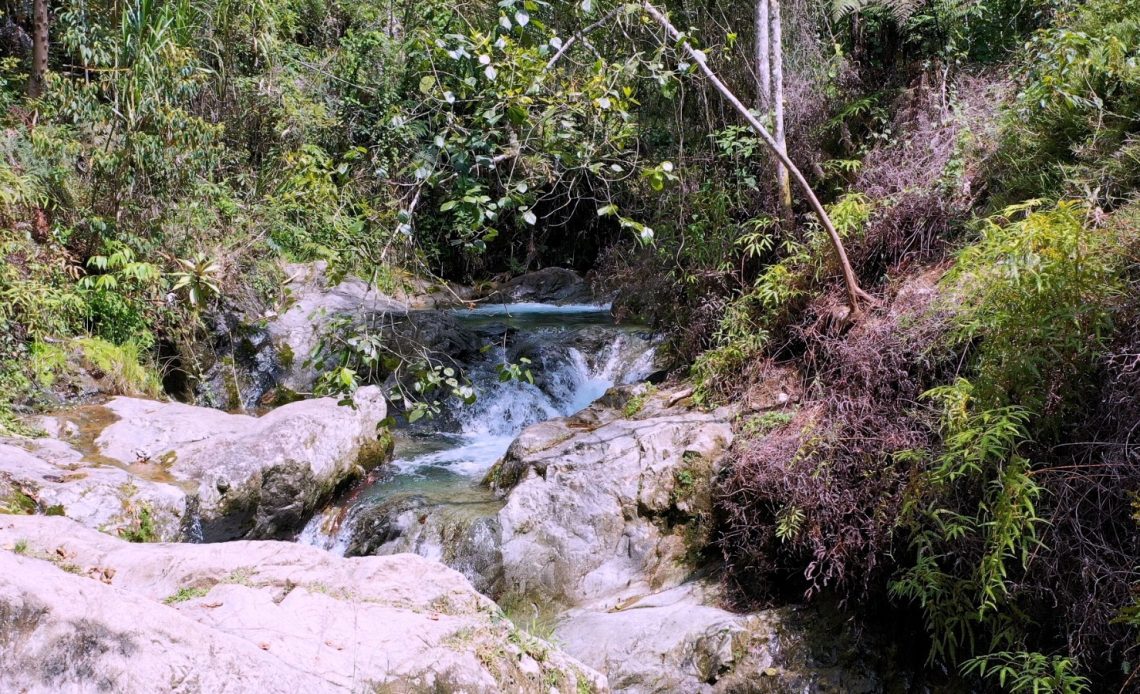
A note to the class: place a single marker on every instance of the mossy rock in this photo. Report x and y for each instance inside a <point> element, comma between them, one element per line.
<point>377,452</point>
<point>16,502</point>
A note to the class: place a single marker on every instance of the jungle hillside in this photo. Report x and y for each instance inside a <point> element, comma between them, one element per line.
<point>921,218</point>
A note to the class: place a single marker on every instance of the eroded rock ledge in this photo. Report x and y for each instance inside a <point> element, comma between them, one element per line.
<point>80,609</point>
<point>151,470</point>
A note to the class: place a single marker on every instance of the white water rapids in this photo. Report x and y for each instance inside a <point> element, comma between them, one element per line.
<point>576,354</point>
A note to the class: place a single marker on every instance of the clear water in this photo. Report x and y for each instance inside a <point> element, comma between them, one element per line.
<point>577,354</point>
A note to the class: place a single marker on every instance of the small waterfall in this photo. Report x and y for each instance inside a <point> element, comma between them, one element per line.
<point>431,502</point>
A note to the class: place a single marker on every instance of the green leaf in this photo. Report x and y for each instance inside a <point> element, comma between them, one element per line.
<point>427,82</point>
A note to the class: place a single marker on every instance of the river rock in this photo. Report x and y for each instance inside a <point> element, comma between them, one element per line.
<point>83,611</point>
<point>253,477</point>
<point>552,285</point>
<point>53,477</point>
<point>314,301</point>
<point>613,500</point>
<point>164,471</point>
<point>679,640</point>
<point>607,517</point>
<point>464,535</point>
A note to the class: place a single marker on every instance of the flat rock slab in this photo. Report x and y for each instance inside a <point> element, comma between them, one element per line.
<point>680,640</point>
<point>82,610</point>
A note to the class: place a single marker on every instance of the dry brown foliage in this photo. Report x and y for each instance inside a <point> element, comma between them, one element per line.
<point>922,183</point>
<point>834,465</point>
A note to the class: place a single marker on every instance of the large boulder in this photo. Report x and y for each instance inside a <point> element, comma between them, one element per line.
<point>164,471</point>
<point>604,532</point>
<point>82,611</point>
<point>552,285</point>
<point>314,302</point>
<point>612,501</point>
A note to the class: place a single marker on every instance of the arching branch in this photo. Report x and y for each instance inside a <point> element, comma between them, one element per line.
<point>854,293</point>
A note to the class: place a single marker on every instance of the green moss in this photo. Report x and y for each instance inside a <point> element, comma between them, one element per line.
<point>142,529</point>
<point>282,396</point>
<point>493,477</point>
<point>286,356</point>
<point>376,452</point>
<point>185,594</point>
<point>55,510</point>
<point>17,503</point>
<point>21,547</point>
<point>637,402</point>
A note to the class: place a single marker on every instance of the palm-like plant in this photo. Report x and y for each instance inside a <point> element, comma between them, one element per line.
<point>199,277</point>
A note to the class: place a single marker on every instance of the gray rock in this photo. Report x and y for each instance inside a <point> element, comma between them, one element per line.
<point>552,285</point>
<point>607,514</point>
<point>85,612</point>
<point>671,641</point>
<point>165,471</point>
<point>52,477</point>
<point>679,640</point>
<point>314,301</point>
<point>600,505</point>
<point>246,368</point>
<point>275,470</point>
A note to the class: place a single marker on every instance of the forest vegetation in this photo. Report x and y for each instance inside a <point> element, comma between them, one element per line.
<point>962,299</point>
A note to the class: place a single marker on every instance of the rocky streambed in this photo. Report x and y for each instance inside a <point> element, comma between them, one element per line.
<point>552,537</point>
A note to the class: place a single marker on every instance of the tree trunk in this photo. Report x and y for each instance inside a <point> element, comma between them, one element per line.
<point>39,49</point>
<point>778,99</point>
<point>763,60</point>
<point>854,292</point>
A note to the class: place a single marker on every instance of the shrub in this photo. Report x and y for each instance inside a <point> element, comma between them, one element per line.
<point>1074,131</point>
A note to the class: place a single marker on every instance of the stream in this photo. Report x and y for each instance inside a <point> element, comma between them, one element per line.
<point>430,500</point>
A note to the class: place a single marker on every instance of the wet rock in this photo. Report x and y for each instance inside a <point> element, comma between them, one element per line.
<point>246,365</point>
<point>83,610</point>
<point>51,477</point>
<point>461,537</point>
<point>552,285</point>
<point>435,334</point>
<point>384,522</point>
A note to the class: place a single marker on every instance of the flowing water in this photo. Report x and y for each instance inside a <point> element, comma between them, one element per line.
<point>430,500</point>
